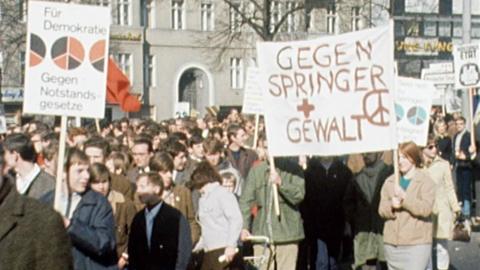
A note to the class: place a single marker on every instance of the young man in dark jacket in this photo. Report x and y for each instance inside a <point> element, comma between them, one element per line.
<point>160,235</point>
<point>88,218</point>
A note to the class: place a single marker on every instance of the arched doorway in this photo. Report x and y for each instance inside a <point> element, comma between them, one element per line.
<point>194,88</point>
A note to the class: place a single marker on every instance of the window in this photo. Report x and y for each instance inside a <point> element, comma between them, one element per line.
<point>236,73</point>
<point>21,60</point>
<point>208,19</point>
<point>291,17</point>
<point>475,30</point>
<point>150,64</point>
<point>444,29</point>
<point>457,29</point>
<point>331,19</point>
<point>178,14</point>
<point>124,62</point>
<point>22,10</point>
<point>103,2</point>
<point>399,28</point>
<point>275,14</point>
<point>430,29</point>
<point>123,12</point>
<point>149,14</point>
<point>356,18</point>
<point>235,17</point>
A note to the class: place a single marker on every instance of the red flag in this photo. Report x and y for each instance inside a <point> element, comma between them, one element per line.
<point>117,89</point>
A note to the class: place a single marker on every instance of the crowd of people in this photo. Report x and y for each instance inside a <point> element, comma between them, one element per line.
<point>195,193</point>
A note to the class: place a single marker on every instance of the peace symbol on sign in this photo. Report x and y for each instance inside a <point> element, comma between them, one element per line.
<point>381,115</point>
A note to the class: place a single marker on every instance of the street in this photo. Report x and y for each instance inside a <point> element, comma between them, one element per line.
<point>465,256</point>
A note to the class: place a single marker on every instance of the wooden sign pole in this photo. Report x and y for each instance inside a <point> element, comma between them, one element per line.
<point>59,185</point>
<point>255,136</point>
<point>276,205</point>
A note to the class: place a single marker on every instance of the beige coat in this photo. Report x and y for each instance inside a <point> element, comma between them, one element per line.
<point>412,224</point>
<point>446,203</point>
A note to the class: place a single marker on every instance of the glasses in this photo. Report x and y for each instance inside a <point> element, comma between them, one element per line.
<point>431,146</point>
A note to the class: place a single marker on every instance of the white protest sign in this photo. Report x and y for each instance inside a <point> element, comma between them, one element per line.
<point>3,120</point>
<point>329,96</point>
<point>413,101</point>
<point>182,109</point>
<point>453,100</point>
<point>466,60</point>
<point>252,97</point>
<point>66,59</point>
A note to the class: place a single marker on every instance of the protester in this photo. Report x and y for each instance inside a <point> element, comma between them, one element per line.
<point>76,137</point>
<point>20,156</point>
<point>123,208</point>
<point>444,141</point>
<point>97,149</point>
<point>407,208</point>
<point>175,195</point>
<point>178,152</point>
<point>241,158</point>
<point>50,159</point>
<point>286,232</point>
<point>214,154</point>
<point>463,150</point>
<point>87,216</point>
<point>32,235</point>
<point>361,202</point>
<point>220,220</point>
<point>160,235</point>
<point>446,205</point>
<point>142,152</point>
<point>326,180</point>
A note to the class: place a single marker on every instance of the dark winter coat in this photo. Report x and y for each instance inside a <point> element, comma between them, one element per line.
<point>92,232</point>
<point>32,234</point>
<point>41,185</point>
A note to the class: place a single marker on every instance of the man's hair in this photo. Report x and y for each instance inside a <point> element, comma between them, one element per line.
<point>76,156</point>
<point>143,139</point>
<point>50,152</point>
<point>2,155</point>
<point>212,146</point>
<point>195,139</point>
<point>161,162</point>
<point>175,148</point>
<point>99,173</point>
<point>120,161</point>
<point>461,118</point>
<point>21,144</point>
<point>179,136</point>
<point>232,130</point>
<point>204,174</point>
<point>153,178</point>
<point>75,131</point>
<point>100,143</point>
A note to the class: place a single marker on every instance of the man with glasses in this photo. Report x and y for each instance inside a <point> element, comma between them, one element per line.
<point>142,152</point>
<point>463,152</point>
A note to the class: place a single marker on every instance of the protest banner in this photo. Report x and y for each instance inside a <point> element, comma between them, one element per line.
<point>253,98</point>
<point>182,109</point>
<point>66,66</point>
<point>466,61</point>
<point>3,120</point>
<point>66,59</point>
<point>413,101</point>
<point>329,96</point>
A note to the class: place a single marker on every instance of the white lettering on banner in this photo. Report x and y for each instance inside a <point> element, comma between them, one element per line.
<point>329,96</point>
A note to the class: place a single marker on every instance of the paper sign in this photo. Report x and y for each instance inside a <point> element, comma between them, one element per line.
<point>413,101</point>
<point>466,60</point>
<point>182,109</point>
<point>329,96</point>
<point>252,97</point>
<point>66,59</point>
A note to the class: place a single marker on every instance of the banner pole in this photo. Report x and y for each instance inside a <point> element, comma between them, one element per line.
<point>395,166</point>
<point>97,124</point>
<point>255,136</point>
<point>276,205</point>
<point>61,157</point>
<point>472,118</point>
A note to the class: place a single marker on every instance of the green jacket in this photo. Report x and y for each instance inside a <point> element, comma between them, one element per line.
<point>289,227</point>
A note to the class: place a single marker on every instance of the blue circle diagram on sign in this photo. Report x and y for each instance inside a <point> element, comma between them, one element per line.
<point>399,112</point>
<point>417,116</point>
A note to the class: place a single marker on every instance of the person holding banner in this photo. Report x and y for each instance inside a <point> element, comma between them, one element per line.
<point>285,232</point>
<point>462,152</point>
<point>407,207</point>
<point>444,141</point>
<point>446,204</point>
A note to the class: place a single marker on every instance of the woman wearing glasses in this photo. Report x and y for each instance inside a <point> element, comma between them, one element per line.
<point>407,209</point>
<point>446,203</point>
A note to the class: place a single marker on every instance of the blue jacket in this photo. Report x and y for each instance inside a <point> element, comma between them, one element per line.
<point>92,232</point>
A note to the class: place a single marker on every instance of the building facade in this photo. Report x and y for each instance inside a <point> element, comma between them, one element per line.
<point>188,50</point>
